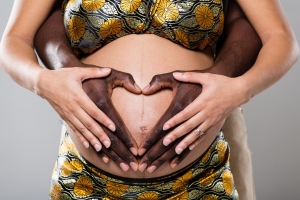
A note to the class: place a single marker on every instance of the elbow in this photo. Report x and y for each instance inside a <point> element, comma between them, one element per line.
<point>295,52</point>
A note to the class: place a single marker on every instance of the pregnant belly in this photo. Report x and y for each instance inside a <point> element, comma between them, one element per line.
<point>140,113</point>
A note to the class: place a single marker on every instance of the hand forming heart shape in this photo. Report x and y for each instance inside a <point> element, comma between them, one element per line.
<point>100,91</point>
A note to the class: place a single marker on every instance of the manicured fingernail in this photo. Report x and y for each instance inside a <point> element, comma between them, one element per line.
<point>124,167</point>
<point>133,165</point>
<point>142,151</point>
<point>151,169</point>
<point>133,151</point>
<point>177,74</point>
<point>142,167</point>
<point>86,145</point>
<point>106,143</point>
<point>105,159</point>
<point>147,87</point>
<point>112,128</point>
<point>97,147</point>
<point>137,87</point>
<point>191,147</point>
<point>167,141</point>
<point>173,165</point>
<point>166,127</point>
<point>106,69</point>
<point>179,150</point>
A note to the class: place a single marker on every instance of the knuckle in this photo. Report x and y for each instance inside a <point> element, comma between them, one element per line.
<point>127,157</point>
<point>94,113</point>
<point>128,76</point>
<point>89,125</point>
<point>101,104</point>
<point>149,158</point>
<point>82,129</point>
<point>184,144</point>
<point>160,161</point>
<point>173,136</point>
<point>115,158</point>
<point>178,106</point>
<point>128,143</point>
<point>148,143</point>
<point>114,142</point>
<point>187,127</point>
<point>156,79</point>
<point>183,114</point>
<point>195,134</point>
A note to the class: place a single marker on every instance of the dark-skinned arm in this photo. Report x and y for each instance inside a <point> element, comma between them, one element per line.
<point>236,53</point>
<point>53,48</point>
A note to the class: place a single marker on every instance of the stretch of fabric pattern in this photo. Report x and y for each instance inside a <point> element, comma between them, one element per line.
<point>207,178</point>
<point>194,24</point>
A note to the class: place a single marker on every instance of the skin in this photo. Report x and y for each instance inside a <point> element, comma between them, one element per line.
<point>19,61</point>
<point>271,64</point>
<point>235,56</point>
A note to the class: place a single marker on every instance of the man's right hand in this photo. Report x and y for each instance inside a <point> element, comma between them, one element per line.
<point>99,91</point>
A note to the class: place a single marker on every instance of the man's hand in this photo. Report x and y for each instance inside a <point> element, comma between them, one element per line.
<point>157,151</point>
<point>100,91</point>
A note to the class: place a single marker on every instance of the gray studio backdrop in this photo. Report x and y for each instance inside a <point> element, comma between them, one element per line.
<point>30,131</point>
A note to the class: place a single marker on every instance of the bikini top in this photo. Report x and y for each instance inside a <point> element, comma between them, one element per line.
<point>91,24</point>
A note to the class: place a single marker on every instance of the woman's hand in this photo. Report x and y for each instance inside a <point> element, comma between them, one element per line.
<point>187,102</point>
<point>62,88</point>
<point>220,95</point>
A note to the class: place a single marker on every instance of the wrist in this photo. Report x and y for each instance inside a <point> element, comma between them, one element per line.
<point>221,69</point>
<point>245,89</point>
<point>41,78</point>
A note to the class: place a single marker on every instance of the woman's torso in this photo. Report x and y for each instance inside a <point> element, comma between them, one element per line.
<point>140,113</point>
<point>119,28</point>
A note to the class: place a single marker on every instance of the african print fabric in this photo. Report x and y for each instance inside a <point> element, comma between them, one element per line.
<point>207,178</point>
<point>194,24</point>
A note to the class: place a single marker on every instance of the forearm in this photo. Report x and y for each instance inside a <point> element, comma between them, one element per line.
<point>19,61</point>
<point>238,50</point>
<point>52,44</point>
<point>239,45</point>
<point>277,56</point>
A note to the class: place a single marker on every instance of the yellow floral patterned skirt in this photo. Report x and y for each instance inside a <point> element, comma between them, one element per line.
<point>207,178</point>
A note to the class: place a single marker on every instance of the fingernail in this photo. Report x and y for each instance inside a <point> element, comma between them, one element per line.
<point>142,167</point>
<point>86,145</point>
<point>133,165</point>
<point>151,169</point>
<point>133,151</point>
<point>173,165</point>
<point>105,159</point>
<point>106,143</point>
<point>137,87</point>
<point>97,147</point>
<point>177,74</point>
<point>105,69</point>
<point>167,141</point>
<point>112,128</point>
<point>179,150</point>
<point>191,147</point>
<point>166,127</point>
<point>124,167</point>
<point>147,87</point>
<point>142,151</point>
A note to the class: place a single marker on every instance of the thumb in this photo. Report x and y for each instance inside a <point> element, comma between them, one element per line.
<point>191,77</point>
<point>127,81</point>
<point>87,73</point>
<point>160,82</point>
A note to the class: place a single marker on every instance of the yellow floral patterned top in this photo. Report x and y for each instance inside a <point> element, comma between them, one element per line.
<point>194,24</point>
